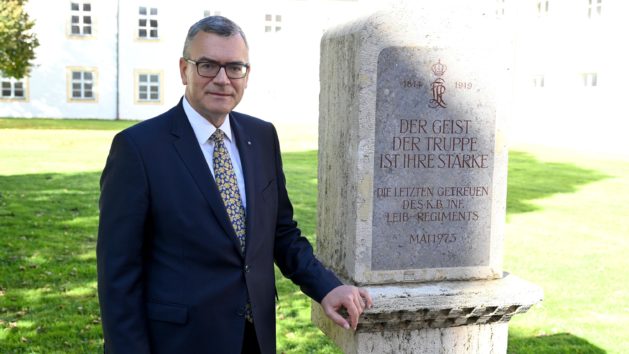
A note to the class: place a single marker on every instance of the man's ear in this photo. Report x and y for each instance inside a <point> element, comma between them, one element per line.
<point>183,66</point>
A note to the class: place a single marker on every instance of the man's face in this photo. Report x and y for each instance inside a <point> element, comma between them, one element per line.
<point>214,97</point>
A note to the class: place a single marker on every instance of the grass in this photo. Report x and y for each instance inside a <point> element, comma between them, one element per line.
<point>566,231</point>
<point>56,124</point>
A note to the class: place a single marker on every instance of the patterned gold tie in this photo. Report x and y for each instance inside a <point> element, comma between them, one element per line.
<point>227,184</point>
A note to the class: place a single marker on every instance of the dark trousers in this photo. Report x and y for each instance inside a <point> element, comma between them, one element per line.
<point>250,341</point>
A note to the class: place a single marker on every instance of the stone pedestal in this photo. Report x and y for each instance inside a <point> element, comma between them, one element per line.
<point>412,178</point>
<point>443,317</point>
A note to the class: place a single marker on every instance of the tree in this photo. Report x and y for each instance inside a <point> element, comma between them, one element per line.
<point>17,42</point>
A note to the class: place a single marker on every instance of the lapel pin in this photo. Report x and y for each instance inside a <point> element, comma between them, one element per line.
<point>248,142</point>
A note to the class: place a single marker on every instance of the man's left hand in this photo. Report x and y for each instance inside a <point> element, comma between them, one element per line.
<point>354,300</point>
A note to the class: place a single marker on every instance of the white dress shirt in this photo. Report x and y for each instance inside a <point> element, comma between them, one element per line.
<point>203,130</point>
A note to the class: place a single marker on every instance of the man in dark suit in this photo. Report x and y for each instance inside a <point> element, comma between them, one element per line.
<point>194,213</point>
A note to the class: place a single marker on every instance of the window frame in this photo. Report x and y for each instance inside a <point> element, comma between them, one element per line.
<point>594,9</point>
<point>500,8</point>
<point>590,79</point>
<point>272,22</point>
<point>81,14</point>
<point>137,89</point>
<point>543,8</point>
<point>71,81</point>
<point>12,83</point>
<point>148,17</point>
<point>538,81</point>
<point>207,13</point>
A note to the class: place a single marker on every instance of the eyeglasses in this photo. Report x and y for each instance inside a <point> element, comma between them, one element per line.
<point>210,68</point>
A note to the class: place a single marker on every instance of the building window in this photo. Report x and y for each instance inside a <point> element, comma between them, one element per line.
<point>80,18</point>
<point>500,8</point>
<point>207,13</point>
<point>272,23</point>
<point>13,89</point>
<point>148,87</point>
<point>147,23</point>
<point>542,7</point>
<point>589,79</point>
<point>538,81</point>
<point>82,85</point>
<point>594,8</point>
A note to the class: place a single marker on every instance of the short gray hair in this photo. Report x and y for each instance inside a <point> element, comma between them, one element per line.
<point>213,24</point>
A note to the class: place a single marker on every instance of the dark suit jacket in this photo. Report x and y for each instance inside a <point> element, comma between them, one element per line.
<point>171,278</point>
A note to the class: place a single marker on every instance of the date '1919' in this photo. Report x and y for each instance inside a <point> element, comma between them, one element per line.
<point>463,85</point>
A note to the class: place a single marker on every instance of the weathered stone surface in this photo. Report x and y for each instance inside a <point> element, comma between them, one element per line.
<point>433,160</point>
<point>485,339</point>
<point>449,304</point>
<point>412,155</point>
<point>406,318</point>
<point>412,179</point>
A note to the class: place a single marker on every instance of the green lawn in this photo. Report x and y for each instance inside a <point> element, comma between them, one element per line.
<point>566,231</point>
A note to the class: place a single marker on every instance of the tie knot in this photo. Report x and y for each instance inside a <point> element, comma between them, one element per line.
<point>218,135</point>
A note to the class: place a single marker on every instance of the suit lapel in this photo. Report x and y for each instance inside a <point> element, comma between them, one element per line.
<point>189,151</point>
<point>246,145</point>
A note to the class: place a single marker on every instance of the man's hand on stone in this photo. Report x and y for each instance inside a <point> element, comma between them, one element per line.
<point>354,300</point>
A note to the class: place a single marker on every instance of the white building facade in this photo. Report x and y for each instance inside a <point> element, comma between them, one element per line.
<point>119,60</point>
<point>570,70</point>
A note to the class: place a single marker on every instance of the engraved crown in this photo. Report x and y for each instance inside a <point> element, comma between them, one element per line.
<point>439,69</point>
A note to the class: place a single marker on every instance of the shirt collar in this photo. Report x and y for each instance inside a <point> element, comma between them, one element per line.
<point>202,128</point>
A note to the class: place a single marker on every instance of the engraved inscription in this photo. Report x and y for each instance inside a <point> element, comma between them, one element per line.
<point>433,163</point>
<point>445,143</point>
<point>463,85</point>
<point>432,239</point>
<point>411,83</point>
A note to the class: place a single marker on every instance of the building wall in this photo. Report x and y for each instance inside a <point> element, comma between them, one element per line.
<point>119,56</point>
<point>58,52</point>
<point>562,45</point>
<point>559,45</point>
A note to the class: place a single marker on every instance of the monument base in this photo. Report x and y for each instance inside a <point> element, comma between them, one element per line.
<point>444,317</point>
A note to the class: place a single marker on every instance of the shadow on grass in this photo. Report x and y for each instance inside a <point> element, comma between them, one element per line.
<point>48,228</point>
<point>48,225</point>
<point>560,343</point>
<point>530,179</point>
<point>48,299</point>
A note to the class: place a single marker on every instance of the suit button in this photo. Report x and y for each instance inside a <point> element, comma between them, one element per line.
<point>246,268</point>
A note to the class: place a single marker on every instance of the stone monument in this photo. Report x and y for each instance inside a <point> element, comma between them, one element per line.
<point>412,179</point>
